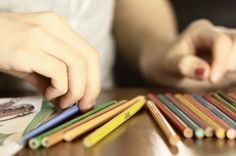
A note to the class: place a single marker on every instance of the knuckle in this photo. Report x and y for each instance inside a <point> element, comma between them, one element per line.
<point>201,23</point>
<point>34,29</point>
<point>46,17</point>
<point>222,38</point>
<point>32,33</point>
<point>80,62</point>
<point>94,56</point>
<point>62,89</point>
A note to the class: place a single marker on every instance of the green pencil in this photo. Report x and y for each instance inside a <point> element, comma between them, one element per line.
<point>227,98</point>
<point>223,101</point>
<point>35,143</point>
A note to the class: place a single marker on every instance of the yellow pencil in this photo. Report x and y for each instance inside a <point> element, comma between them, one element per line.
<point>219,131</point>
<point>104,130</point>
<point>169,132</point>
<point>57,137</point>
<point>81,129</point>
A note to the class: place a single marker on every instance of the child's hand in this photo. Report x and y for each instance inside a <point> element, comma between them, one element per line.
<point>203,57</point>
<point>43,49</point>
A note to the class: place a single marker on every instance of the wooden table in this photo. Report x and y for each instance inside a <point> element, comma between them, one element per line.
<point>139,136</point>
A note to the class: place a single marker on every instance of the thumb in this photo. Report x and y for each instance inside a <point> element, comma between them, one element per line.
<point>191,66</point>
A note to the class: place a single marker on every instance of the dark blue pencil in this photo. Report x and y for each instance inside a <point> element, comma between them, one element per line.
<point>215,110</point>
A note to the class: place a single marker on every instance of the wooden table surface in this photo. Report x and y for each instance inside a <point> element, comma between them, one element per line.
<point>139,136</point>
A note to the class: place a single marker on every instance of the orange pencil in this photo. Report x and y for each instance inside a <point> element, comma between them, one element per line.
<point>186,131</point>
<point>91,124</point>
<point>166,128</point>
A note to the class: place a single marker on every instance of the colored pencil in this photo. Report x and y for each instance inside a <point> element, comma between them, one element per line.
<point>166,128</point>
<point>175,120</point>
<point>111,125</point>
<point>198,131</point>
<point>220,106</point>
<point>208,131</point>
<point>223,101</point>
<point>51,123</point>
<point>203,113</point>
<point>57,137</point>
<point>227,98</point>
<point>91,124</point>
<point>229,122</point>
<point>232,95</point>
<point>35,143</point>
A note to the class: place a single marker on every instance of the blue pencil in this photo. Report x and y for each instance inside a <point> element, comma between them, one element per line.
<point>51,123</point>
<point>215,110</point>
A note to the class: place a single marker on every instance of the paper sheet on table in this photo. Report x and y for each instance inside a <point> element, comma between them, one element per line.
<point>12,129</point>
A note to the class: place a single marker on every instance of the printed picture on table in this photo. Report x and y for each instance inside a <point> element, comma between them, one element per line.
<point>12,109</point>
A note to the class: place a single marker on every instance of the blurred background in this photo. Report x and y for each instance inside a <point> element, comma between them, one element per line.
<point>219,12</point>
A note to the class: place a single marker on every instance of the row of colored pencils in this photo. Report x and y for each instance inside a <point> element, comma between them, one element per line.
<point>108,116</point>
<point>196,115</point>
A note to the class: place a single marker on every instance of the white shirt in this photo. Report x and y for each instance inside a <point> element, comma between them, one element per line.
<point>92,19</point>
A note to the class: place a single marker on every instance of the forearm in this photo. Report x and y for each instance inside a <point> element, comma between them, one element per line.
<point>142,24</point>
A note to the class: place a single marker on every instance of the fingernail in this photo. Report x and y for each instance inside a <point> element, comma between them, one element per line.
<point>199,72</point>
<point>216,77</point>
<point>89,106</point>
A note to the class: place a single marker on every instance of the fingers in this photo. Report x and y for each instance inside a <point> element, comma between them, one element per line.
<point>206,36</point>
<point>222,49</point>
<point>232,57</point>
<point>52,68</point>
<point>202,35</point>
<point>193,67</point>
<point>62,30</point>
<point>232,34</point>
<point>83,73</point>
<point>92,89</point>
<point>76,68</point>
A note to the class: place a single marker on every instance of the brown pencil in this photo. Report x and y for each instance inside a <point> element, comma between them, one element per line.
<point>179,124</point>
<point>230,132</point>
<point>170,134</point>
<point>220,106</point>
<point>207,129</point>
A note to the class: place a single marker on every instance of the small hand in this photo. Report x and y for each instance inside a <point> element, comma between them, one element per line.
<point>203,57</point>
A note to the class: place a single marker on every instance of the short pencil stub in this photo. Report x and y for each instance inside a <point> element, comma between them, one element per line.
<point>174,140</point>
<point>231,134</point>
<point>209,132</point>
<point>188,133</point>
<point>34,144</point>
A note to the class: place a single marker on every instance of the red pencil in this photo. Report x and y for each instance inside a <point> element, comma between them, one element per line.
<point>220,106</point>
